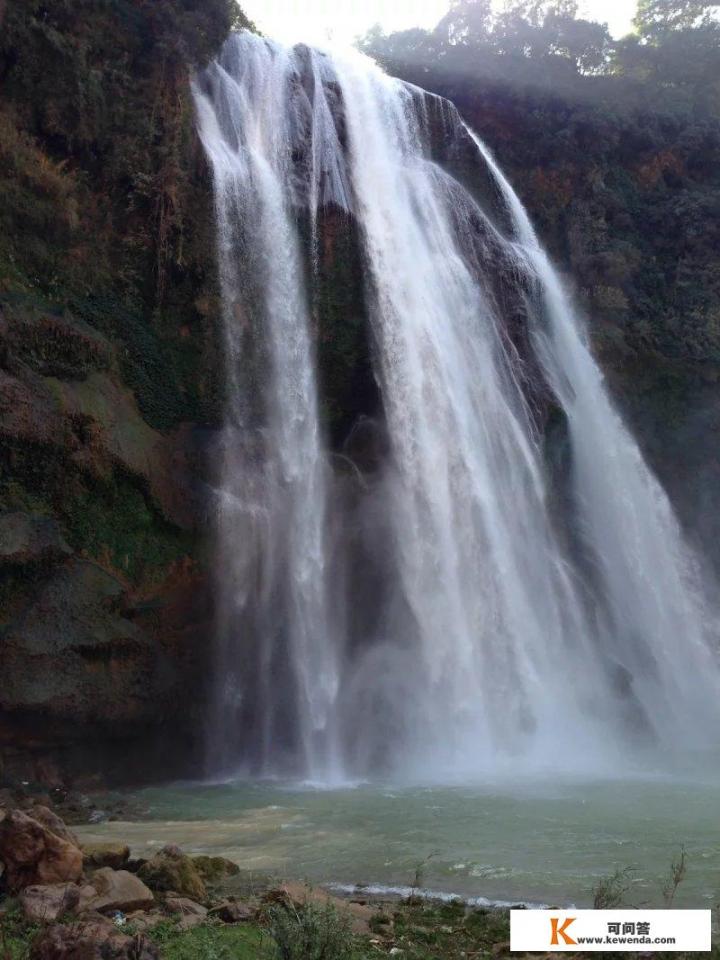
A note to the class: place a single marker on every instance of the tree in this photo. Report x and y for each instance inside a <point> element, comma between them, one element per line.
<point>586,44</point>
<point>676,47</point>
<point>413,44</point>
<point>655,19</point>
<point>538,29</point>
<point>467,22</point>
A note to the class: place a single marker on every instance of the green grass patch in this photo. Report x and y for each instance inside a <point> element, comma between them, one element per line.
<point>16,934</point>
<point>209,942</point>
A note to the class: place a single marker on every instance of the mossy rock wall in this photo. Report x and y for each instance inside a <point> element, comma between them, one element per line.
<point>110,383</point>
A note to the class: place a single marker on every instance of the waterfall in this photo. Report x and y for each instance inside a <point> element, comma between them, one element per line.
<point>506,584</point>
<point>271,523</point>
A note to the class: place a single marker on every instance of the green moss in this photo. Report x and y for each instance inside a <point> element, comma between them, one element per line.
<point>172,366</point>
<point>215,869</point>
<point>32,477</point>
<point>114,520</point>
<point>173,872</point>
<point>14,496</point>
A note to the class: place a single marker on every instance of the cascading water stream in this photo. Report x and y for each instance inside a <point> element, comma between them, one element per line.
<point>537,599</point>
<point>272,509</point>
<point>661,627</point>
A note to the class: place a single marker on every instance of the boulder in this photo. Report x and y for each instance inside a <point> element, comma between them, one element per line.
<point>233,912</point>
<point>172,870</point>
<point>118,890</point>
<point>34,855</point>
<point>91,940</point>
<point>143,921</point>
<point>87,894</point>
<point>115,855</point>
<point>47,903</point>
<point>185,906</point>
<point>191,913</point>
<point>215,869</point>
<point>172,850</point>
<point>53,823</point>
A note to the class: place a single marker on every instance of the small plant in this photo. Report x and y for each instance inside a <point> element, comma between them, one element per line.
<point>4,945</point>
<point>610,891</point>
<point>419,878</point>
<point>678,871</point>
<point>380,923</point>
<point>309,932</point>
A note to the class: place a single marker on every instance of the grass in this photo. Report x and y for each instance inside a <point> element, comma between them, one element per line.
<point>309,933</point>
<point>426,931</point>
<point>415,931</point>
<point>678,871</point>
<point>243,942</point>
<point>16,934</point>
<point>448,931</point>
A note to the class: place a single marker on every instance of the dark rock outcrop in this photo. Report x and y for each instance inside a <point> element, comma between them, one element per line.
<point>27,538</point>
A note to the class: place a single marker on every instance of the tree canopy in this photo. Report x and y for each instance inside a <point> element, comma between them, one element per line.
<point>675,45</point>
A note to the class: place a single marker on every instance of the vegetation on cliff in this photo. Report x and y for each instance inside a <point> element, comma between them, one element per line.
<point>106,210</point>
<point>109,363</point>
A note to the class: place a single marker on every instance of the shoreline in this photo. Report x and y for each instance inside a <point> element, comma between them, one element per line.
<point>97,899</point>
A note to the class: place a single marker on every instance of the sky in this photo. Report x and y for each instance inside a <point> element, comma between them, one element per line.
<point>341,21</point>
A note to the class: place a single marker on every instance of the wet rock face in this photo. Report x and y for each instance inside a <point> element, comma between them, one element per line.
<point>28,538</point>
<point>101,595</point>
<point>450,145</point>
<point>74,652</point>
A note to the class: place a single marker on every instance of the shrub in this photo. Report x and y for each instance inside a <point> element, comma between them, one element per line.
<point>309,932</point>
<point>609,892</point>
